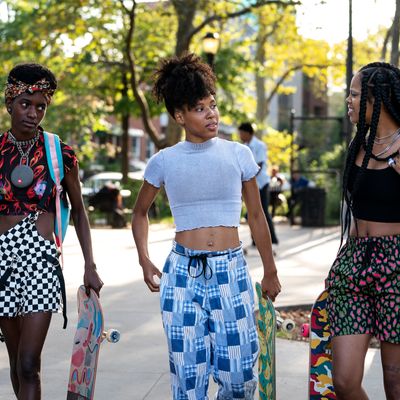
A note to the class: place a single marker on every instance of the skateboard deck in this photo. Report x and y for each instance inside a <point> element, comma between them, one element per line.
<point>266,324</point>
<point>320,379</point>
<point>85,352</point>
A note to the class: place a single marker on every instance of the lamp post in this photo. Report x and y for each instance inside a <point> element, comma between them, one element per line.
<point>210,46</point>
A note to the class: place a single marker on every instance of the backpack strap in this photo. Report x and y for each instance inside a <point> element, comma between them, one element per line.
<point>54,158</point>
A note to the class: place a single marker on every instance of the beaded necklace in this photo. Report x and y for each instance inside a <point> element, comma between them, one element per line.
<point>22,174</point>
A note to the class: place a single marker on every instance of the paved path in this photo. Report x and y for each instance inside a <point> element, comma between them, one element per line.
<point>137,367</point>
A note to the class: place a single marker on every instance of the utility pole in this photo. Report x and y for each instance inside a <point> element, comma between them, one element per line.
<point>349,71</point>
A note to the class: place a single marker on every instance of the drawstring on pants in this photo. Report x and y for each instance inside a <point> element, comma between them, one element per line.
<point>201,259</point>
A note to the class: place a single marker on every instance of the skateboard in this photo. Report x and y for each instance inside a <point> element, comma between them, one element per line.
<point>85,352</point>
<point>320,380</point>
<point>268,321</point>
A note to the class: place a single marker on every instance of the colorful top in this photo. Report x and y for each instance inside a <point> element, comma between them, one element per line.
<point>203,181</point>
<point>22,201</point>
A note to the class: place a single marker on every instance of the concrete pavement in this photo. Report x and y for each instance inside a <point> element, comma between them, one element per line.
<point>136,368</point>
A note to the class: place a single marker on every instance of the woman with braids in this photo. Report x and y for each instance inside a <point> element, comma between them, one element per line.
<point>364,281</point>
<point>31,282</point>
<point>206,298</point>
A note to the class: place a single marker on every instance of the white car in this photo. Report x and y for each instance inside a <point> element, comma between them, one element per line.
<point>95,182</point>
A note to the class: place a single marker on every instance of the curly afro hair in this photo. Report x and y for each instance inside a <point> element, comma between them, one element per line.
<point>31,73</point>
<point>183,81</point>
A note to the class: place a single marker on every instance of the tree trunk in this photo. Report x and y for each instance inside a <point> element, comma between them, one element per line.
<point>137,92</point>
<point>394,54</point>
<point>125,132</point>
<point>262,107</point>
<point>185,11</point>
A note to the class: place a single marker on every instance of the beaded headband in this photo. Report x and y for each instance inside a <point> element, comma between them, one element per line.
<point>15,88</point>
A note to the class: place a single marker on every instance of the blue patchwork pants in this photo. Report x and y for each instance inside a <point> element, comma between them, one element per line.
<point>207,305</point>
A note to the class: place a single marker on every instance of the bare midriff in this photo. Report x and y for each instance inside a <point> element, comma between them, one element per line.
<point>211,239</point>
<point>370,228</point>
<point>44,224</point>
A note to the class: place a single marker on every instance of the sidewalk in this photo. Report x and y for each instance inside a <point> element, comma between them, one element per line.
<point>136,368</point>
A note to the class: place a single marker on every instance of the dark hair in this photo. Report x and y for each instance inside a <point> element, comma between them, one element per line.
<point>181,81</point>
<point>380,82</point>
<point>31,73</point>
<point>247,127</point>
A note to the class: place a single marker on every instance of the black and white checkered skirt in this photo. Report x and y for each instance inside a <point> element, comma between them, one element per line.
<point>30,273</point>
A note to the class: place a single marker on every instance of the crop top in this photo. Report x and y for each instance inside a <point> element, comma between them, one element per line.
<point>22,201</point>
<point>378,195</point>
<point>203,181</point>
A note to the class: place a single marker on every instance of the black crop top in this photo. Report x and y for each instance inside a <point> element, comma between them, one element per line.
<point>378,195</point>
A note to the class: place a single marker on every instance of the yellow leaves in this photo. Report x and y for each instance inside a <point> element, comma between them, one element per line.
<point>278,148</point>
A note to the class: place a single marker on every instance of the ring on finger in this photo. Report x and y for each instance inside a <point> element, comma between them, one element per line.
<point>391,162</point>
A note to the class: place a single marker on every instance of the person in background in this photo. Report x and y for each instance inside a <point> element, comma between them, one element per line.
<point>259,150</point>
<point>298,183</point>
<point>364,280</point>
<point>275,189</point>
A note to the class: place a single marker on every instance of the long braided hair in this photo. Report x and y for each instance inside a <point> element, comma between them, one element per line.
<point>380,83</point>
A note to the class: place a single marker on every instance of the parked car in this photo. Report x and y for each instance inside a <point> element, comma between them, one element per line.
<point>95,182</point>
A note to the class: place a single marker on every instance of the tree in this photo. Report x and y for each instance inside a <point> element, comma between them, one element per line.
<point>280,52</point>
<point>394,54</point>
<point>187,11</point>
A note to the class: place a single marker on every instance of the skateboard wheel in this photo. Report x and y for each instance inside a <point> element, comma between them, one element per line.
<point>288,325</point>
<point>113,336</point>
<point>305,330</point>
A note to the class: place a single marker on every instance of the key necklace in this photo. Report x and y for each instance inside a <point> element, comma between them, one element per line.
<point>22,174</point>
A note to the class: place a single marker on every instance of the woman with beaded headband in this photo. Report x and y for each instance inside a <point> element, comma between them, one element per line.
<point>31,282</point>
<point>364,281</point>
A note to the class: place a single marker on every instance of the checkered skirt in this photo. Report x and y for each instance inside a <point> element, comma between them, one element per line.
<point>28,280</point>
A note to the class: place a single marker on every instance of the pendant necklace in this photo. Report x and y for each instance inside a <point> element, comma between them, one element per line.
<point>22,174</point>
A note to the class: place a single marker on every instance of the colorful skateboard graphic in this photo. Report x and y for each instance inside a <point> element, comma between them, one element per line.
<point>266,324</point>
<point>320,383</point>
<point>85,352</point>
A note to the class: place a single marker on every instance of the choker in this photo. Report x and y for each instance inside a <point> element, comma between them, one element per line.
<point>22,174</point>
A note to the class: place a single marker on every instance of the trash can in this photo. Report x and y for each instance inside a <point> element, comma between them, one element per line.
<point>313,207</point>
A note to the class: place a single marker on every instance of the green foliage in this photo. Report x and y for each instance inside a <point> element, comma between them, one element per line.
<point>327,175</point>
<point>278,144</point>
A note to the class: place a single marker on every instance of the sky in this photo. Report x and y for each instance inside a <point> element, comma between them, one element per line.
<point>330,21</point>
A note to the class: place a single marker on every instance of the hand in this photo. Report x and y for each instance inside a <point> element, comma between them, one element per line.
<point>270,285</point>
<point>149,272</point>
<point>91,280</point>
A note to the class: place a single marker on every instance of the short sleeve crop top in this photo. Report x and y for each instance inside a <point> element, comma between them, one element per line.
<point>203,181</point>
<point>378,195</point>
<point>22,201</point>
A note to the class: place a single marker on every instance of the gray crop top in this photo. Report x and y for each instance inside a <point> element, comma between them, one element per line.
<point>203,181</point>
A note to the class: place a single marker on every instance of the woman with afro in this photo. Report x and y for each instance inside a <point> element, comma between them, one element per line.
<point>206,294</point>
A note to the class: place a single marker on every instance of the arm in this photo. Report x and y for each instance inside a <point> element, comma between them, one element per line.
<point>140,230</point>
<point>259,229</point>
<point>81,223</point>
